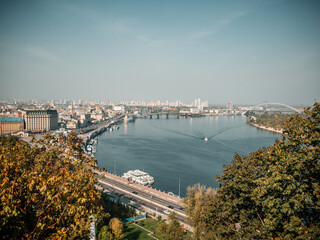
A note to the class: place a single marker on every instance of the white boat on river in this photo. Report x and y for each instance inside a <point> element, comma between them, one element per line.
<point>139,176</point>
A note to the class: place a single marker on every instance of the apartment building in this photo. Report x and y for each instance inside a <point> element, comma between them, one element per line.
<point>40,120</point>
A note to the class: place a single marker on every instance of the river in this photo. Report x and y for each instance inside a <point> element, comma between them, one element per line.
<point>171,150</point>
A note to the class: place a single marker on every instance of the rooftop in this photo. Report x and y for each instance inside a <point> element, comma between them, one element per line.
<point>11,119</point>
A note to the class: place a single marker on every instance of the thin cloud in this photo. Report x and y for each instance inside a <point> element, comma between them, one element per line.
<point>218,25</point>
<point>203,34</point>
<point>109,25</point>
<point>33,51</point>
<point>9,43</point>
<point>44,54</point>
<point>102,23</point>
<point>142,38</point>
<point>230,18</point>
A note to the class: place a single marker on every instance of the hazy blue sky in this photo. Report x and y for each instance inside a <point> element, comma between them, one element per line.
<point>245,51</point>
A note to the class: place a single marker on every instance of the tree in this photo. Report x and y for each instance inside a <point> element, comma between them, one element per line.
<point>273,120</point>
<point>172,230</point>
<point>44,192</point>
<point>104,233</point>
<point>116,228</point>
<point>274,192</point>
<point>196,206</point>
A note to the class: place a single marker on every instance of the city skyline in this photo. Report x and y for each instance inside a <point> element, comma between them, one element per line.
<point>244,51</point>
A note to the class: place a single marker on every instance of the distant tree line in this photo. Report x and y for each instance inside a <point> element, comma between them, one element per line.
<point>270,120</point>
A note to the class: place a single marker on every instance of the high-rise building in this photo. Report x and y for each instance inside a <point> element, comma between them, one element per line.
<point>39,120</point>
<point>229,105</point>
<point>205,104</point>
<point>198,104</point>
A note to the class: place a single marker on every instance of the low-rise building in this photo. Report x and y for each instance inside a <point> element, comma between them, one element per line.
<point>72,124</point>
<point>9,125</point>
<point>119,108</point>
<point>85,119</point>
<point>97,117</point>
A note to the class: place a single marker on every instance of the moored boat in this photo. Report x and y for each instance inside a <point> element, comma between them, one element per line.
<point>139,176</point>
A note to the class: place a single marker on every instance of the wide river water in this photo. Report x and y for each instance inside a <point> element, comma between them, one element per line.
<point>172,149</point>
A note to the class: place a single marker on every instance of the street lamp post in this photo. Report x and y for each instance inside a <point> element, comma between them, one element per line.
<point>179,187</point>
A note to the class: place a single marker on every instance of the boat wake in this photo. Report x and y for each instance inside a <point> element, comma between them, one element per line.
<point>198,134</point>
<point>201,136</point>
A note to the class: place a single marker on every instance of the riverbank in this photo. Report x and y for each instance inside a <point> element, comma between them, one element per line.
<point>267,128</point>
<point>100,128</point>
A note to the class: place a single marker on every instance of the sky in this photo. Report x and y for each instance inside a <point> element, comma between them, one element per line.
<point>244,51</point>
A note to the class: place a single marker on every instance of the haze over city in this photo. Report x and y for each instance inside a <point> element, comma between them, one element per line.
<point>244,51</point>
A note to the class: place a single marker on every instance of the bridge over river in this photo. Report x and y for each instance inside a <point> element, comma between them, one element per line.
<point>174,114</point>
<point>272,107</point>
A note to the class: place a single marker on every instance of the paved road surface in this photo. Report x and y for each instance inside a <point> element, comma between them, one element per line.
<point>144,196</point>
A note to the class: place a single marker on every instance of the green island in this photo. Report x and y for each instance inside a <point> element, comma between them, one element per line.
<point>47,191</point>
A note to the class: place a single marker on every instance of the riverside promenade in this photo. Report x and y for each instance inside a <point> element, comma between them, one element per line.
<point>154,206</point>
<point>150,190</point>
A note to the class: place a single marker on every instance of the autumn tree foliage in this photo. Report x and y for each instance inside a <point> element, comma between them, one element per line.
<point>197,206</point>
<point>116,227</point>
<point>171,230</point>
<point>273,120</point>
<point>47,190</point>
<point>273,193</point>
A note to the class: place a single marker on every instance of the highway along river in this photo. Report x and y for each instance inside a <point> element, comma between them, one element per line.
<point>174,151</point>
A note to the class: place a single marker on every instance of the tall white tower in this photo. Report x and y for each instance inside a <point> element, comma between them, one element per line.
<point>229,106</point>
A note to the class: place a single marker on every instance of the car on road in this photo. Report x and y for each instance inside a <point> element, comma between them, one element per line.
<point>170,206</point>
<point>167,212</point>
<point>150,196</point>
<point>134,192</point>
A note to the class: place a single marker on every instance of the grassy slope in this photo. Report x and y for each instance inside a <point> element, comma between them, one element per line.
<point>133,232</point>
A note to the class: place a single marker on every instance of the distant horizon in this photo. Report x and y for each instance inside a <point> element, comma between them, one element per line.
<point>154,101</point>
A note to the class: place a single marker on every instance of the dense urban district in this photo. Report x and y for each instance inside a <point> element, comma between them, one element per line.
<point>52,188</point>
<point>21,117</point>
